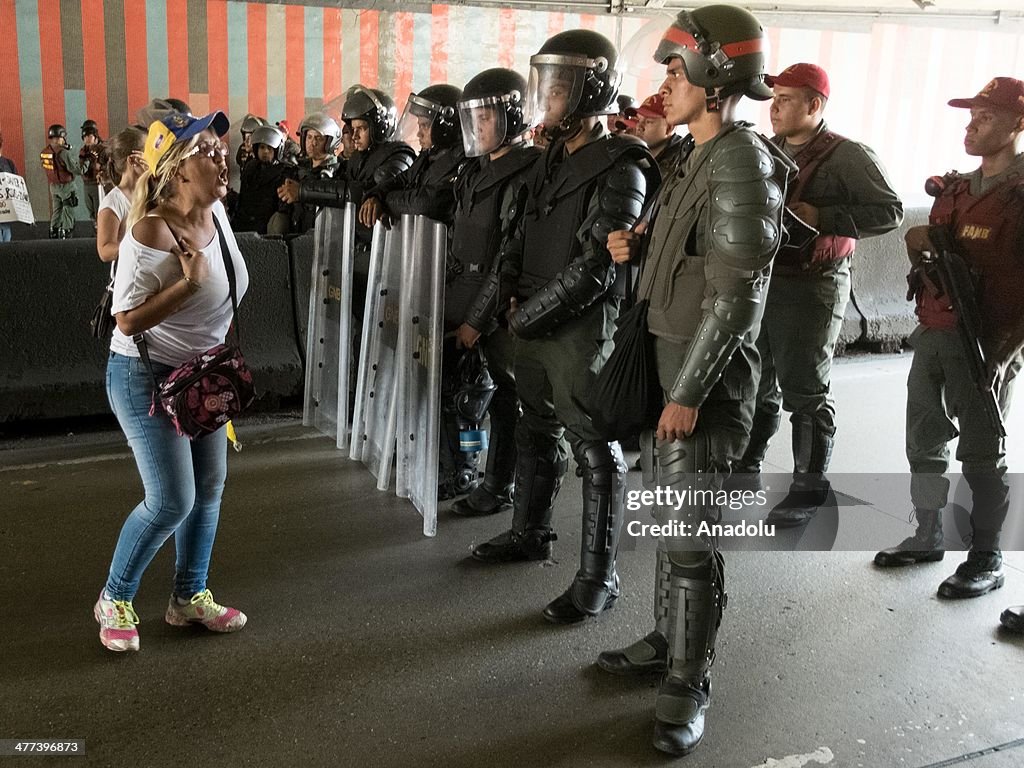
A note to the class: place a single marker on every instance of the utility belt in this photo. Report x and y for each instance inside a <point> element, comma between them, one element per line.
<point>452,268</point>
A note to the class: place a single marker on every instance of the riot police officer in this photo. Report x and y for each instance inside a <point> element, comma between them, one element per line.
<point>706,272</point>
<point>319,134</point>
<point>246,150</point>
<point>493,136</point>
<point>372,117</point>
<point>555,278</point>
<point>61,170</point>
<point>426,189</point>
<point>259,208</point>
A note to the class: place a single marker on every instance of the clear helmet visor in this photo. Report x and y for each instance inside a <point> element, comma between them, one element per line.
<point>484,124</point>
<point>554,89</point>
<point>416,121</point>
<point>639,57</point>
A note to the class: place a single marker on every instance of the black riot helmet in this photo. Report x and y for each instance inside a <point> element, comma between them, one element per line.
<point>89,128</point>
<point>375,107</point>
<point>722,51</point>
<point>624,101</point>
<point>436,103</point>
<point>272,136</point>
<point>491,111</point>
<point>574,75</point>
<point>57,131</point>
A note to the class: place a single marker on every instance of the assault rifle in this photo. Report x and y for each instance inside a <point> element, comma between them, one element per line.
<point>958,283</point>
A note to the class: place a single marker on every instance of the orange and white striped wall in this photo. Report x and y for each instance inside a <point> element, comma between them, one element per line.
<point>69,60</point>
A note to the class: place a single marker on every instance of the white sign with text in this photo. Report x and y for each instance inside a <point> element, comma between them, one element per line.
<point>14,202</point>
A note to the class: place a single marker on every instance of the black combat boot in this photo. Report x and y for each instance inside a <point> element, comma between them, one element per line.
<point>978,575</point>
<point>649,654</point>
<point>746,473</point>
<point>494,494</point>
<point>812,452</point>
<point>596,586</point>
<point>538,479</point>
<point>1013,618</point>
<point>695,604</point>
<point>925,546</point>
<point>982,572</point>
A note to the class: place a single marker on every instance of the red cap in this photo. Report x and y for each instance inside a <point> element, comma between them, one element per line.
<point>801,76</point>
<point>1000,93</point>
<point>653,106</point>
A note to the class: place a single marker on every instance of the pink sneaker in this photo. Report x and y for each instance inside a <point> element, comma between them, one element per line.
<point>117,620</point>
<point>202,609</point>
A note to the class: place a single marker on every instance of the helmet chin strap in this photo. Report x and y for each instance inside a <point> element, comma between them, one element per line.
<point>713,100</point>
<point>568,129</point>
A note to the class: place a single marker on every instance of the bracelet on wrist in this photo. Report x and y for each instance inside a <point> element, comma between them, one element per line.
<point>193,286</point>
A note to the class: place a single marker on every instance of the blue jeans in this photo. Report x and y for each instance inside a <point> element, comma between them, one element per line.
<point>5,233</point>
<point>183,481</point>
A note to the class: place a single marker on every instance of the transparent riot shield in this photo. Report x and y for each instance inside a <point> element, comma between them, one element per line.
<point>329,328</point>
<point>346,325</point>
<point>376,404</point>
<point>364,375</point>
<point>419,368</point>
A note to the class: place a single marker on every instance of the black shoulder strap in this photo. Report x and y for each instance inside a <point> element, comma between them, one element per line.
<point>229,267</point>
<point>810,158</point>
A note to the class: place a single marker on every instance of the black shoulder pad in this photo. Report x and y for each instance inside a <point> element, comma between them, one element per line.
<point>396,148</point>
<point>634,151</point>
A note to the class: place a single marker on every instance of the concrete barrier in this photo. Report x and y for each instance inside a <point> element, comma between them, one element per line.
<point>52,368</point>
<point>268,320</point>
<point>879,279</point>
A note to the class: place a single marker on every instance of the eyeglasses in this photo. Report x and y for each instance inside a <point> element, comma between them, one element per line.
<point>210,149</point>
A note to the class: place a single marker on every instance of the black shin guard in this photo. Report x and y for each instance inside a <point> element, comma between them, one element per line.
<point>539,473</point>
<point>596,586</point>
<point>604,499</point>
<point>695,604</point>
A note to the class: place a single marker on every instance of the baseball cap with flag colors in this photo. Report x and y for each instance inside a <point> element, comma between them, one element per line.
<point>177,126</point>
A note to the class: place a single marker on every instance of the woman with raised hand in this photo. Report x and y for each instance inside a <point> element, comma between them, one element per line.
<point>172,287</point>
<point>125,166</point>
